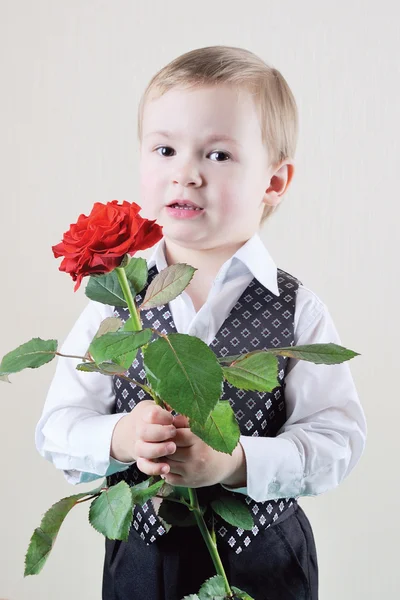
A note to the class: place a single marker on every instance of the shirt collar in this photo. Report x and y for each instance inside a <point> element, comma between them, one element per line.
<point>252,256</point>
<point>255,256</point>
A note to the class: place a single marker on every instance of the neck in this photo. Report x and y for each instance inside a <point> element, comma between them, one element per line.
<point>207,261</point>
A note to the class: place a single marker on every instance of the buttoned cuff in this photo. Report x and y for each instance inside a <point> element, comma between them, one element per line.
<point>274,468</point>
<point>92,439</point>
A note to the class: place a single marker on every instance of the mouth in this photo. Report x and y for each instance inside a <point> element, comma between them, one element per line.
<point>184,205</point>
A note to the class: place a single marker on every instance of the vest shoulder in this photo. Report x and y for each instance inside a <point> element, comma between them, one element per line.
<point>284,276</point>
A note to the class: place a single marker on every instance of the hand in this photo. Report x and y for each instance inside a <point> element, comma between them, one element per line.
<point>144,435</point>
<point>195,464</point>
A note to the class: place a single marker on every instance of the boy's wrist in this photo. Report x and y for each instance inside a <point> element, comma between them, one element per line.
<point>117,449</point>
<point>237,476</point>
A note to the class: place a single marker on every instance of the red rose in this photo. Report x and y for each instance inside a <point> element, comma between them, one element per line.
<point>97,244</point>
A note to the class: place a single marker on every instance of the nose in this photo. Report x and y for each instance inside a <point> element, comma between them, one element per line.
<point>188,175</point>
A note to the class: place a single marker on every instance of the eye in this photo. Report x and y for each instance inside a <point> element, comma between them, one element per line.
<point>167,151</point>
<point>221,154</point>
<point>168,148</point>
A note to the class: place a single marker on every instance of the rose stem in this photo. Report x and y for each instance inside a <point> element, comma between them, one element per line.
<point>211,545</point>
<point>126,290</point>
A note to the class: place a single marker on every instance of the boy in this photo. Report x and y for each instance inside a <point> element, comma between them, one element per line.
<point>217,133</point>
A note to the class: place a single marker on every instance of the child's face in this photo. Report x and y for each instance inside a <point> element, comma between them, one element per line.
<point>227,179</point>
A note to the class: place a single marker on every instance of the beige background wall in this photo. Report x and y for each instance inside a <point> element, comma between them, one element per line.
<point>71,76</point>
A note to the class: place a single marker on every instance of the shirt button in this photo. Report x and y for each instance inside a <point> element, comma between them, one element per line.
<point>274,487</point>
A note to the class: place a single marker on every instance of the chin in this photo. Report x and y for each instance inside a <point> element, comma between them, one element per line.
<point>188,239</point>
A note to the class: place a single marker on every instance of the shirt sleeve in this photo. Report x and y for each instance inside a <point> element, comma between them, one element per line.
<point>76,426</point>
<point>325,431</point>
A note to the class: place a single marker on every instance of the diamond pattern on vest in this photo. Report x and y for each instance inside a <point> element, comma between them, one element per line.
<point>259,320</point>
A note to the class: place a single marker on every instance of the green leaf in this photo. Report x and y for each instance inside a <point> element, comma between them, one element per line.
<point>327,354</point>
<point>181,492</point>
<point>257,372</point>
<point>113,344</point>
<point>106,289</point>
<point>38,552</point>
<point>221,430</point>
<point>142,492</point>
<point>127,359</point>
<point>185,373</point>
<point>166,490</point>
<point>240,594</point>
<point>30,355</point>
<point>137,274</point>
<point>177,515</point>
<point>324,354</point>
<point>111,513</point>
<point>233,511</point>
<point>44,537</point>
<point>213,589</point>
<point>172,513</point>
<point>176,492</point>
<point>109,325</point>
<point>167,285</point>
<point>106,368</point>
<point>232,358</point>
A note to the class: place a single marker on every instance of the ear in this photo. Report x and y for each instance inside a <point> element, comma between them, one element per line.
<point>279,182</point>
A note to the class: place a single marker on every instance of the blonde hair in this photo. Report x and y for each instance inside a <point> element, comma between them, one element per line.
<point>230,65</point>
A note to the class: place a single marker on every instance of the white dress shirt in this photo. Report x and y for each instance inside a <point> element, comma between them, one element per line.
<point>320,443</point>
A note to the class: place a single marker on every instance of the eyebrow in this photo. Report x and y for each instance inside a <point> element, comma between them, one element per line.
<point>215,137</point>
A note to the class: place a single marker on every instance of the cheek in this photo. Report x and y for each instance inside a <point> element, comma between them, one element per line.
<point>150,189</point>
<point>146,186</point>
<point>231,198</point>
<point>147,177</point>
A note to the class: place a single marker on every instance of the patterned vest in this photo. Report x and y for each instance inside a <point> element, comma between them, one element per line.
<point>259,320</point>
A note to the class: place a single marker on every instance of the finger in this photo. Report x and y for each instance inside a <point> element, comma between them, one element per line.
<point>185,437</point>
<point>156,433</point>
<point>181,421</point>
<point>175,468</point>
<point>153,450</point>
<point>152,468</point>
<point>157,415</point>
<point>181,455</point>
<point>173,479</point>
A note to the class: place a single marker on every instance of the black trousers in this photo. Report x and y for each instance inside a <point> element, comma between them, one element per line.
<point>279,564</point>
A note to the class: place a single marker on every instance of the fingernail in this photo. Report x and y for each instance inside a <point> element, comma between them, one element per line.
<point>164,470</point>
<point>170,448</point>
